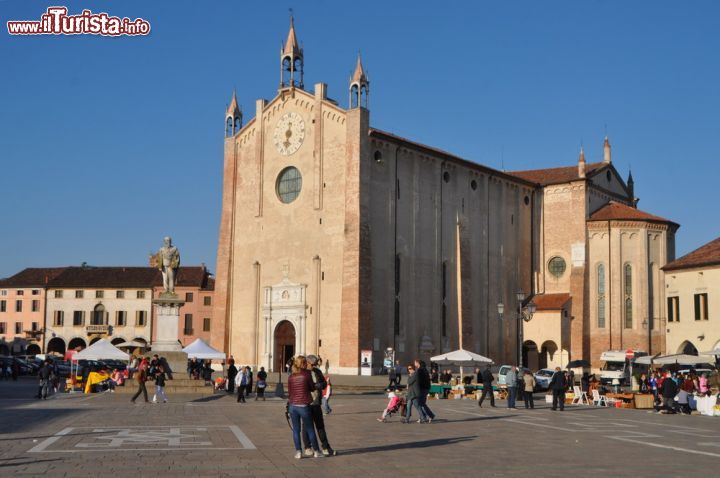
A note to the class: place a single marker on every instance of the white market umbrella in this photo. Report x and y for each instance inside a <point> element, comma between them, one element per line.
<point>101,350</point>
<point>201,350</point>
<point>131,344</point>
<point>462,358</point>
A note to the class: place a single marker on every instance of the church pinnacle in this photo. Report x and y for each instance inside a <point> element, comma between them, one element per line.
<point>359,86</point>
<point>581,163</point>
<point>233,117</point>
<point>606,150</point>
<point>291,60</point>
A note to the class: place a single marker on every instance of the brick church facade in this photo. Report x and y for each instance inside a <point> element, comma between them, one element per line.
<point>337,238</point>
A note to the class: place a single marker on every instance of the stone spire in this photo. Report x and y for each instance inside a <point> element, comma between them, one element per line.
<point>291,44</point>
<point>606,151</point>
<point>359,86</point>
<point>581,163</point>
<point>291,60</point>
<point>233,109</point>
<point>631,189</point>
<point>233,117</point>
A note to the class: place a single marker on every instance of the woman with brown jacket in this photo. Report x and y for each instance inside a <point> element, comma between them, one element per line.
<point>529,388</point>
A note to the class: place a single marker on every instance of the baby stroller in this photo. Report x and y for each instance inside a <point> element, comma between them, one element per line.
<point>397,404</point>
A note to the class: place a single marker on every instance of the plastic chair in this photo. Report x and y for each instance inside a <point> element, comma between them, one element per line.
<point>580,396</point>
<point>602,400</point>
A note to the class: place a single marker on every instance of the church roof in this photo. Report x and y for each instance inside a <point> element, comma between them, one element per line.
<point>564,174</point>
<point>448,156</point>
<point>550,301</point>
<point>706,255</point>
<point>616,211</point>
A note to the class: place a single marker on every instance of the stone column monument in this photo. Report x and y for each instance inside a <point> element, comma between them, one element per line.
<point>167,305</point>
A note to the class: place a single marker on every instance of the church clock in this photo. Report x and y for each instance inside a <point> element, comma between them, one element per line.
<point>289,133</point>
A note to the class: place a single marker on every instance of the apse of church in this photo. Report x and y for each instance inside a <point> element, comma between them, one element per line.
<point>336,237</point>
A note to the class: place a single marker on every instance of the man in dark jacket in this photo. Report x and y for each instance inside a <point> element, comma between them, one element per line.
<point>486,377</point>
<point>558,384</point>
<point>232,372</point>
<point>141,377</point>
<point>424,381</point>
<point>319,384</point>
<point>413,394</point>
<point>669,390</point>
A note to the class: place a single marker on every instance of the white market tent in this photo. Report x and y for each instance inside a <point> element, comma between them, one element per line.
<point>132,344</point>
<point>201,350</point>
<point>681,359</point>
<point>101,350</point>
<point>462,358</point>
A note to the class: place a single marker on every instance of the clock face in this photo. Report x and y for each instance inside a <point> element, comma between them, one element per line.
<point>289,133</point>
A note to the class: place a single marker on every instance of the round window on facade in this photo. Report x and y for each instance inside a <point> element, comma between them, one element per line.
<point>556,266</point>
<point>378,157</point>
<point>527,200</point>
<point>289,184</point>
<point>473,185</point>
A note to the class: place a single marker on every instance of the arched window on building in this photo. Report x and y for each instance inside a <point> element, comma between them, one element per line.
<point>601,296</point>
<point>627,273</point>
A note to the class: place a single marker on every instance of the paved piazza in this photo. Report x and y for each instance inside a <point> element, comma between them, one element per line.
<point>89,435</point>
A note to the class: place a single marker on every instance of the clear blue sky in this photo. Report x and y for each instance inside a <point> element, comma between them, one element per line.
<point>108,144</point>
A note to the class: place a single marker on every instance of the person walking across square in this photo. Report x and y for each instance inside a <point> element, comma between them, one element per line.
<point>558,383</point>
<point>486,377</point>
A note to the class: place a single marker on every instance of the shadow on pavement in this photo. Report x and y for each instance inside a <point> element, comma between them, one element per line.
<point>406,445</point>
<point>25,419</point>
<point>210,398</point>
<point>27,462</point>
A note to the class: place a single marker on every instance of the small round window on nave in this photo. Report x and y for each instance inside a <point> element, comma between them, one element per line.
<point>556,266</point>
<point>289,184</point>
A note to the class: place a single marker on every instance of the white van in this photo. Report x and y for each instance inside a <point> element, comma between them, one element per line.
<point>617,366</point>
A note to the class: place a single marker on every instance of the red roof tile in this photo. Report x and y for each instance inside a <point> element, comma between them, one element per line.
<point>622,212</point>
<point>32,277</point>
<point>106,277</point>
<point>706,255</point>
<point>560,175</point>
<point>550,301</point>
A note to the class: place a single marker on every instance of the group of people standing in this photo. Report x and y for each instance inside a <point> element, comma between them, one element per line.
<point>242,380</point>
<point>308,393</point>
<point>673,391</point>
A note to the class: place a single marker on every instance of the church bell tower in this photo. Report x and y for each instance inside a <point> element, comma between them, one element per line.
<point>291,61</point>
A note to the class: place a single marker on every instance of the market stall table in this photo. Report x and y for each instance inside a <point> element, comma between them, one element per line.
<point>706,405</point>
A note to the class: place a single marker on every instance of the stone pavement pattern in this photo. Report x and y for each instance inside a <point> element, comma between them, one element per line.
<point>87,435</point>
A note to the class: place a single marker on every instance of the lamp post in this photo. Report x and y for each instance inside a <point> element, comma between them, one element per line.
<point>525,312</point>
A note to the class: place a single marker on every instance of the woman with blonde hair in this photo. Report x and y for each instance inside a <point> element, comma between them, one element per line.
<point>300,385</point>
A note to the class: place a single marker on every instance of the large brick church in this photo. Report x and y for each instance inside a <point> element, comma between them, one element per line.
<point>336,237</point>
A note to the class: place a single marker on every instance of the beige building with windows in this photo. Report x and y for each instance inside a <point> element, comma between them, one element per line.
<point>692,299</point>
<point>337,237</point>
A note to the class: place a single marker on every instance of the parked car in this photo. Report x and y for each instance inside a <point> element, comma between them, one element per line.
<point>503,371</point>
<point>23,367</point>
<point>543,377</point>
<point>115,364</point>
<point>62,365</point>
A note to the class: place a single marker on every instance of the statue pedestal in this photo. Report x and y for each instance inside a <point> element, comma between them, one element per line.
<point>166,343</point>
<point>167,325</point>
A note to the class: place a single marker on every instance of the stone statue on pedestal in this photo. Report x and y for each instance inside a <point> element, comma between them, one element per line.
<point>168,261</point>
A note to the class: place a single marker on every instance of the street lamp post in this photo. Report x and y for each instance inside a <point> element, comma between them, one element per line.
<point>525,312</point>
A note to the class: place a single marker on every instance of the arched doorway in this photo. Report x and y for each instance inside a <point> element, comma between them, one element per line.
<point>531,357</point>
<point>687,348</point>
<point>57,345</point>
<point>284,345</point>
<point>548,354</point>
<point>117,340</point>
<point>94,339</point>
<point>77,342</point>
<point>32,349</point>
